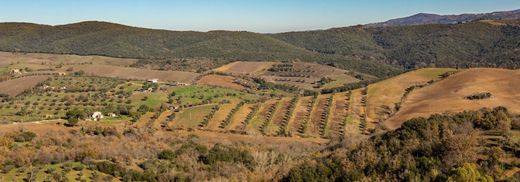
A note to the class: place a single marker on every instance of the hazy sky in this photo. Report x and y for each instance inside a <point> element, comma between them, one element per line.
<point>249,15</point>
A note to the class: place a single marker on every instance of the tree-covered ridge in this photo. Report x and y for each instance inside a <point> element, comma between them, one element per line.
<point>469,146</point>
<point>376,51</point>
<point>100,38</point>
<point>463,45</point>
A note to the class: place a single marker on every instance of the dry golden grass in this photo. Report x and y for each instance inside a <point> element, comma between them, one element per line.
<point>219,80</point>
<point>16,86</point>
<point>337,116</point>
<point>157,124</point>
<point>278,115</point>
<point>239,117</point>
<point>300,111</point>
<point>136,73</point>
<point>448,95</point>
<point>221,114</point>
<point>245,68</point>
<point>256,122</point>
<point>145,120</point>
<point>388,92</point>
<point>313,127</point>
<point>39,58</point>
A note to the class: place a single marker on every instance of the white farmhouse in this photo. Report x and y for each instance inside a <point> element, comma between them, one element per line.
<point>96,116</point>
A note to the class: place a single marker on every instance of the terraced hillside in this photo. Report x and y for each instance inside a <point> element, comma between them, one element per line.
<point>254,107</point>
<point>309,76</point>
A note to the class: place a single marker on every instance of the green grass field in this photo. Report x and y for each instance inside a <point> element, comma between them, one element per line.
<point>191,117</point>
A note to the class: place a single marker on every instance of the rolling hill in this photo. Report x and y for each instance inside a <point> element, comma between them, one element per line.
<point>379,51</point>
<point>448,95</point>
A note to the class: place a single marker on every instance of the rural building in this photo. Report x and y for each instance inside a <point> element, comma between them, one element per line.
<point>16,71</point>
<point>175,108</point>
<point>155,80</point>
<point>96,116</point>
<point>62,74</point>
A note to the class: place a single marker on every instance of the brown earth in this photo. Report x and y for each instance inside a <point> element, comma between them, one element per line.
<point>16,86</point>
<point>40,58</point>
<point>245,68</point>
<point>219,80</point>
<point>136,73</point>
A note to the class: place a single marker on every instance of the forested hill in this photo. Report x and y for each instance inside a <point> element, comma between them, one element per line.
<point>377,51</point>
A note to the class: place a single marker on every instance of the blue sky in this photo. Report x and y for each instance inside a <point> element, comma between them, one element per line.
<point>248,15</point>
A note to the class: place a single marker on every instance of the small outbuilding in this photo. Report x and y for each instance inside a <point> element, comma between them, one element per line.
<point>96,116</point>
<point>155,80</point>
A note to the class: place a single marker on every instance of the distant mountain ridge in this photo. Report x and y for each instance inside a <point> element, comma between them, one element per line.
<point>425,18</point>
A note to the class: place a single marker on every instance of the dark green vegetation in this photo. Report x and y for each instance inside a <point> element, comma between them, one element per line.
<point>469,146</point>
<point>376,51</point>
<point>478,96</point>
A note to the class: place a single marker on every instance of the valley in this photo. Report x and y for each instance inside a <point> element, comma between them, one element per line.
<point>422,98</point>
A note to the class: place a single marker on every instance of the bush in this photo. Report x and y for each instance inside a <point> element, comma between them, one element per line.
<point>166,155</point>
<point>478,96</point>
<point>73,116</point>
<point>221,153</point>
<point>26,136</point>
<point>144,108</point>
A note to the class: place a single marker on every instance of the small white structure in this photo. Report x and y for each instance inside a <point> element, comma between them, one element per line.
<point>96,116</point>
<point>155,80</point>
<point>16,71</point>
<point>112,115</point>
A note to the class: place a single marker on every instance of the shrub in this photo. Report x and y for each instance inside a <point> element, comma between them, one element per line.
<point>166,155</point>
<point>73,116</point>
<point>478,96</point>
<point>26,136</point>
<point>221,153</point>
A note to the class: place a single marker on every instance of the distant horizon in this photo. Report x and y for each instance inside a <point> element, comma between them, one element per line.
<point>267,16</point>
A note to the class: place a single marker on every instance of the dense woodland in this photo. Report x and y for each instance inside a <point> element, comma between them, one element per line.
<point>376,51</point>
